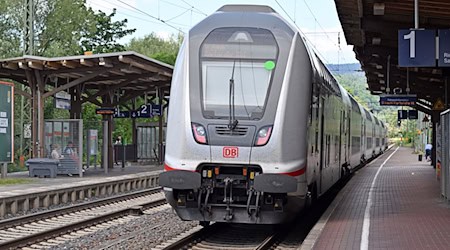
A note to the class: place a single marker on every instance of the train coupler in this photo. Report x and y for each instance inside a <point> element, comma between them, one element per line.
<point>228,198</point>
<point>204,207</point>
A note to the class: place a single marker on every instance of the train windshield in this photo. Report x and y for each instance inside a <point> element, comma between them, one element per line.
<point>248,57</point>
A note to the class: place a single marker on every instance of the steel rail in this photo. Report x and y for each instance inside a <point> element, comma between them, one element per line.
<point>71,227</point>
<point>16,221</point>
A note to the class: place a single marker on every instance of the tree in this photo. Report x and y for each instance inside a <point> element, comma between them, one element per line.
<point>104,38</point>
<point>11,28</point>
<point>60,25</point>
<point>355,84</point>
<point>158,48</point>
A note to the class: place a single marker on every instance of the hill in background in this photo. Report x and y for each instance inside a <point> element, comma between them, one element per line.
<point>348,68</point>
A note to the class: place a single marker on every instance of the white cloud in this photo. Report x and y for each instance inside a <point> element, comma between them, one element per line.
<point>165,35</point>
<point>331,45</point>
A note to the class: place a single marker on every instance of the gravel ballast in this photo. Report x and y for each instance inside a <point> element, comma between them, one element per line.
<point>144,232</point>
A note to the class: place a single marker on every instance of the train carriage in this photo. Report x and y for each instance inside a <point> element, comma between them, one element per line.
<point>258,128</point>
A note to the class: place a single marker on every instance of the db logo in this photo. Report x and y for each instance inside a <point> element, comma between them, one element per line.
<point>230,152</point>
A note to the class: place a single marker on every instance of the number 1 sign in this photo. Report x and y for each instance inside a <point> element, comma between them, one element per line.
<point>417,48</point>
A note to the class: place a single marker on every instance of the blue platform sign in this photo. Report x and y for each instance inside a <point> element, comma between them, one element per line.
<point>417,48</point>
<point>121,114</point>
<point>145,111</point>
<point>398,100</point>
<point>402,114</point>
<point>413,114</point>
<point>156,109</point>
<point>444,48</point>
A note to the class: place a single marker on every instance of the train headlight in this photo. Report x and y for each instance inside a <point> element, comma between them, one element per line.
<point>199,133</point>
<point>263,136</point>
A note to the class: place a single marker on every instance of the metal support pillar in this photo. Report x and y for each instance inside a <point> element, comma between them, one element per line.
<point>106,139</point>
<point>29,27</point>
<point>416,14</point>
<point>134,131</point>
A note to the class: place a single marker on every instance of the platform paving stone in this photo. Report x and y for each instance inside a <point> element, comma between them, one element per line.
<point>407,210</point>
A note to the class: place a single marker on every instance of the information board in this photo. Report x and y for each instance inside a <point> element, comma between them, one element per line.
<point>6,122</point>
<point>398,100</point>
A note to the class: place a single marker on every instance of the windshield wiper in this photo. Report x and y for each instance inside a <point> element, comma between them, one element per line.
<point>232,121</point>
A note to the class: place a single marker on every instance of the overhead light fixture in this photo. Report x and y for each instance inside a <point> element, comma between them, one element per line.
<point>104,62</point>
<point>382,88</point>
<point>376,40</point>
<point>382,82</point>
<point>378,9</point>
<point>380,75</point>
<point>375,55</point>
<point>378,66</point>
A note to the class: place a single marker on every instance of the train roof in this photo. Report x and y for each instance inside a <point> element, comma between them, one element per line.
<point>246,8</point>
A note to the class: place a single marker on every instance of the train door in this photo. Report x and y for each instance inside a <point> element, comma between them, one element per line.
<point>349,138</point>
<point>322,142</point>
<point>363,139</point>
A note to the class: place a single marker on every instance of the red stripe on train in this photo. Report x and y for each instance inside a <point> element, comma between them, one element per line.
<point>296,172</point>
<point>169,168</point>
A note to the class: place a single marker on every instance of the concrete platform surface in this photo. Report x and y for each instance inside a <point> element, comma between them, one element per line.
<point>90,176</point>
<point>393,203</point>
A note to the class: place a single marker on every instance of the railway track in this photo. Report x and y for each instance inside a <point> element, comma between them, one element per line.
<point>244,237</point>
<point>224,236</point>
<point>53,227</point>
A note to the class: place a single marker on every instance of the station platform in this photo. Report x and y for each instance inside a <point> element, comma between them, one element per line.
<point>91,175</point>
<point>392,203</point>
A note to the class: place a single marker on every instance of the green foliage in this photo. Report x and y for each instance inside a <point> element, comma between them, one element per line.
<point>60,25</point>
<point>10,28</point>
<point>69,27</point>
<point>157,48</point>
<point>356,84</point>
<point>104,38</point>
<point>14,181</point>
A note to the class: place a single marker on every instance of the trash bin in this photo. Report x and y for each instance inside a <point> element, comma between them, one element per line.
<point>42,167</point>
<point>420,157</point>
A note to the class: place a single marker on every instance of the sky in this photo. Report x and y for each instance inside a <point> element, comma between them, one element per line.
<point>317,19</point>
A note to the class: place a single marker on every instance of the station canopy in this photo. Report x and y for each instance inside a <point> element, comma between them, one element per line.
<point>97,75</point>
<point>372,27</point>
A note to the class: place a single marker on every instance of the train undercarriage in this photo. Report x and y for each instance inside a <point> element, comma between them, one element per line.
<point>233,193</point>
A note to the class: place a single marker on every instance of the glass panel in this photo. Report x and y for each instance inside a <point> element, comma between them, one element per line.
<point>57,132</point>
<point>251,43</point>
<point>48,138</point>
<point>246,55</point>
<point>251,82</point>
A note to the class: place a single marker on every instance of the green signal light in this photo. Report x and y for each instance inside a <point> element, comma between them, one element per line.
<point>269,65</point>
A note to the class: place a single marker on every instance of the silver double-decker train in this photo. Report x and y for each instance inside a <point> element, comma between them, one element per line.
<point>257,128</point>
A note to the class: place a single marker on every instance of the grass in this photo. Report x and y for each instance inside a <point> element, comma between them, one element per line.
<point>14,181</point>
